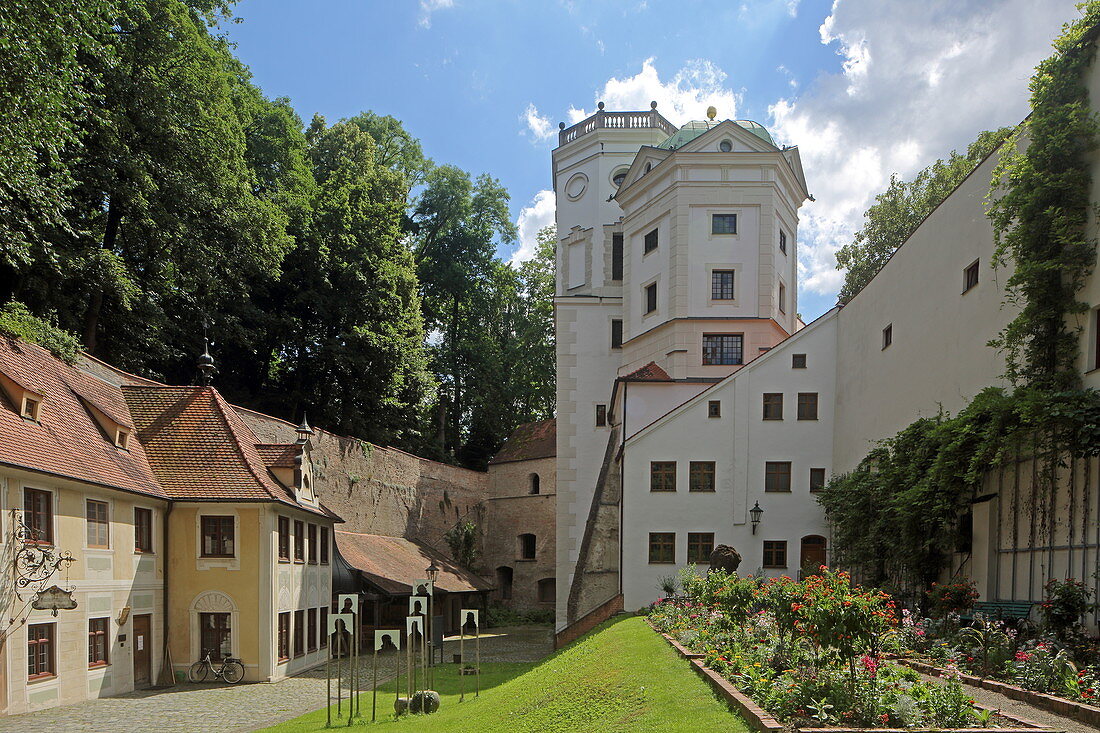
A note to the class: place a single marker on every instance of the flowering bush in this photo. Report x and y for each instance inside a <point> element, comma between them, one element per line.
<point>1064,604</point>
<point>945,598</point>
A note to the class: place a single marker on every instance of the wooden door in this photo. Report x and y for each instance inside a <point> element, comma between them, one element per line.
<point>143,650</point>
<point>813,554</point>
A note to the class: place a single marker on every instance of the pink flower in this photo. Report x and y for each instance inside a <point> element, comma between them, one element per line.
<point>1022,656</point>
<point>870,664</point>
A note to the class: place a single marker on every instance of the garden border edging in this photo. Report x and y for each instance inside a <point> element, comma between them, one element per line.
<point>1081,712</point>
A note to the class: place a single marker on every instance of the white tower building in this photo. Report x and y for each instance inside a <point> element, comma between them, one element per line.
<point>676,266</point>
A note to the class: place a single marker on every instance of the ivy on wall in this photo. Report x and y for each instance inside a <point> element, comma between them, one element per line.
<point>896,517</point>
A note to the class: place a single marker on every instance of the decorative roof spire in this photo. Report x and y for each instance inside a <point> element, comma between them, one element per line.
<point>303,430</point>
<point>205,363</point>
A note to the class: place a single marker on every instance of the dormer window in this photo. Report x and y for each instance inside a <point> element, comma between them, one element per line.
<point>31,407</point>
<point>122,438</point>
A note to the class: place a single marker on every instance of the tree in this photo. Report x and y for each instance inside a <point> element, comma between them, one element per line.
<point>900,209</point>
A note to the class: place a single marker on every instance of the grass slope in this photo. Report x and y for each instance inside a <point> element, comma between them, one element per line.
<point>620,677</point>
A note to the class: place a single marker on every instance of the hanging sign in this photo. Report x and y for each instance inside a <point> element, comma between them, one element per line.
<point>54,599</point>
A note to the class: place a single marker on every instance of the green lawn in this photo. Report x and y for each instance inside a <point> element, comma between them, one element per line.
<point>620,677</point>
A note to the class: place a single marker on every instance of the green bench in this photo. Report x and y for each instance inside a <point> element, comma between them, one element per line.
<point>1001,610</point>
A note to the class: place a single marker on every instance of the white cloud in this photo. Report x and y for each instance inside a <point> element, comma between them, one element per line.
<point>427,7</point>
<point>532,218</point>
<point>685,96</point>
<point>916,80</point>
<point>538,125</point>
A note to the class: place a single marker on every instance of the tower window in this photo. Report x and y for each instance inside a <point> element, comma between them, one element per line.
<point>725,146</point>
<point>970,276</point>
<point>723,224</point>
<point>650,242</point>
<point>782,241</point>
<point>782,298</point>
<point>601,416</point>
<point>721,285</point>
<point>616,333</point>
<point>651,297</point>
<point>722,348</point>
<point>887,336</point>
<point>616,256</point>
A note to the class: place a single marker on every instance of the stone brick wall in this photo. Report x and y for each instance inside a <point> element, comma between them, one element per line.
<point>510,511</point>
<point>589,621</point>
<point>380,490</point>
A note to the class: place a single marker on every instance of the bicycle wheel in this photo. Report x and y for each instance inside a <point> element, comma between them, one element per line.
<point>233,672</point>
<point>198,671</point>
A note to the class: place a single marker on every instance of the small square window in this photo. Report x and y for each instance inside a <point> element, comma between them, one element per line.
<point>700,545</point>
<point>773,405</point>
<point>798,361</point>
<point>714,408</point>
<point>601,416</point>
<point>817,479</point>
<point>616,333</point>
<point>122,439</point>
<point>970,276</point>
<point>651,297</point>
<point>807,405</point>
<point>650,242</point>
<point>777,476</point>
<point>775,553</point>
<point>782,241</point>
<point>701,476</point>
<point>662,476</point>
<point>723,224</point>
<point>662,547</point>
<point>721,285</point>
<point>31,408</point>
<point>887,336</point>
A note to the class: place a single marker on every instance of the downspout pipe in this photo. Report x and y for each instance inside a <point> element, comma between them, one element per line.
<point>167,673</point>
<point>622,484</point>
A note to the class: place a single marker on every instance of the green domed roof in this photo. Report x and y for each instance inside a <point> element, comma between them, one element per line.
<point>695,128</point>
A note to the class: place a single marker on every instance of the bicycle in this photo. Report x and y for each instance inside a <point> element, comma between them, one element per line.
<point>230,671</point>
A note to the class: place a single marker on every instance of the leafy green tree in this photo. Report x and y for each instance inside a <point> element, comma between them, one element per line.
<point>900,209</point>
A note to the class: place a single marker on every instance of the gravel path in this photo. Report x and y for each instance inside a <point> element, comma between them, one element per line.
<point>997,701</point>
<point>218,707</point>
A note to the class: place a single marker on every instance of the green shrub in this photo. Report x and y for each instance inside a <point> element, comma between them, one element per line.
<point>17,321</point>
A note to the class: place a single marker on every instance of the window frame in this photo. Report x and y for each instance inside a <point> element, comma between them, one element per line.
<point>714,218</point>
<point>311,630</point>
<point>783,241</point>
<point>99,642</point>
<point>661,543</point>
<point>311,543</point>
<point>35,408</point>
<point>774,400</point>
<point>283,533</point>
<point>776,552</point>
<point>662,476</point>
<point>887,336</point>
<point>779,469</point>
<point>805,403</point>
<point>650,294</point>
<point>696,541</point>
<point>34,641</point>
<point>824,479</point>
<point>143,530</point>
<point>282,650</point>
<point>702,469</point>
<point>617,257</point>
<point>798,361</point>
<point>323,538</point>
<point>525,545</point>
<point>299,541</point>
<point>322,627</point>
<point>650,241</point>
<point>969,283</point>
<point>601,415</point>
<point>299,633</point>
<point>208,521</point>
<point>98,523</point>
<point>782,298</point>
<point>39,521</point>
<point>708,355</point>
<point>616,334</point>
<point>714,408</point>
<point>718,288</point>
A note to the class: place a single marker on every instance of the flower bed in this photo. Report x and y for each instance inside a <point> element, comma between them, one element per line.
<point>808,654</point>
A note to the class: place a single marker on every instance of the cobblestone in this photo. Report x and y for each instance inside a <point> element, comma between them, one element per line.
<point>218,707</point>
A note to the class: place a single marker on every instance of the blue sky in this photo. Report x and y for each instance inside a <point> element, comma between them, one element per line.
<point>864,87</point>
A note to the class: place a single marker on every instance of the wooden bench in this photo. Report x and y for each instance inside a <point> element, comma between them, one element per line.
<point>1015,611</point>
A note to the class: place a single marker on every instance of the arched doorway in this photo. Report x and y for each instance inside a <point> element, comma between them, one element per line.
<point>813,553</point>
<point>504,582</point>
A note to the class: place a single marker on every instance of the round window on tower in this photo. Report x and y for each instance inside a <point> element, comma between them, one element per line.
<point>576,186</point>
<point>618,176</point>
<point>725,146</point>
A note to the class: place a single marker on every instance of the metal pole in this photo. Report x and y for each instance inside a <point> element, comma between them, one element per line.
<point>339,667</point>
<point>328,681</point>
<point>353,671</point>
<point>374,688</point>
<point>461,660</point>
<point>477,674</point>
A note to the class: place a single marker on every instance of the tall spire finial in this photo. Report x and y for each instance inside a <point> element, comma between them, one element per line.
<point>303,430</point>
<point>206,362</point>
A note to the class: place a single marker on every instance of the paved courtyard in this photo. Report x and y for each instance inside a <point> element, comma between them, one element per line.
<point>217,707</point>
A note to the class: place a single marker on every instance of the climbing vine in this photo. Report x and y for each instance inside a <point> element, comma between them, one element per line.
<point>900,514</point>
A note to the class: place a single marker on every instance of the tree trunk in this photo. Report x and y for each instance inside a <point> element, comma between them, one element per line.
<point>95,297</point>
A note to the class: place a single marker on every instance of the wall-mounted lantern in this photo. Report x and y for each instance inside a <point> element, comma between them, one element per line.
<point>756,512</point>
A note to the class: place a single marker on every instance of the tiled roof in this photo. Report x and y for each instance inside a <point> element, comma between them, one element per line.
<point>200,449</point>
<point>649,373</point>
<point>279,455</point>
<point>529,441</point>
<point>394,564</point>
<point>67,440</point>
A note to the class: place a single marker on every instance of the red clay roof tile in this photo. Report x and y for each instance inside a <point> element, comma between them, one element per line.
<point>394,564</point>
<point>529,441</point>
<point>649,373</point>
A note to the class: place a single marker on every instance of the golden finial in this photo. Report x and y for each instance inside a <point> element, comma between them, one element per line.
<point>712,112</point>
